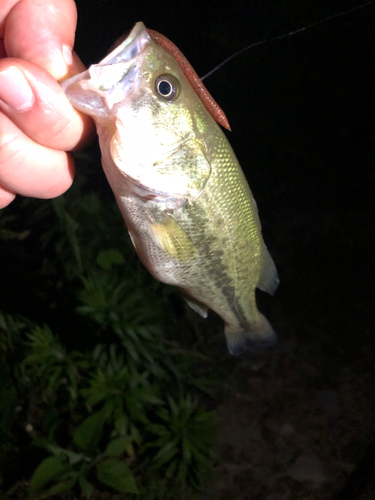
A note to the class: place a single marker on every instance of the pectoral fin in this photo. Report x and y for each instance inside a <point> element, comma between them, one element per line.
<point>174,240</point>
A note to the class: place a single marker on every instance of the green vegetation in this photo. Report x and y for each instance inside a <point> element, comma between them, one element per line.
<point>100,390</point>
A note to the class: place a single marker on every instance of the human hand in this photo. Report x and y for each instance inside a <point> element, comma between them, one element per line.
<point>38,125</point>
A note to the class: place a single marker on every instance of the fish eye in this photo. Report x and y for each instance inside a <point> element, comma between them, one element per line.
<point>168,87</point>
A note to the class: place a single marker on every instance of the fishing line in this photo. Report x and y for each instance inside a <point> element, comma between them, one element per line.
<point>285,35</point>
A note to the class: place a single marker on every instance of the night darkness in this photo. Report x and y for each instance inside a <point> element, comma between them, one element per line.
<point>299,422</point>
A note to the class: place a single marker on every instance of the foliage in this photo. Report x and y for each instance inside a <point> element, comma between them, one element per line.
<point>95,386</point>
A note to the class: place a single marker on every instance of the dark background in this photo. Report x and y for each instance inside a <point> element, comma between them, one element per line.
<point>301,110</point>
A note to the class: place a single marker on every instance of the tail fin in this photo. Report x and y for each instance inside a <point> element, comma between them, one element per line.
<point>260,335</point>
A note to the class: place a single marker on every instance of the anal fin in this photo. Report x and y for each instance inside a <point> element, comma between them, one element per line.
<point>269,279</point>
<point>197,306</point>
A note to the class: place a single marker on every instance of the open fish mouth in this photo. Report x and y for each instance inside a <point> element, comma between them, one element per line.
<point>113,79</point>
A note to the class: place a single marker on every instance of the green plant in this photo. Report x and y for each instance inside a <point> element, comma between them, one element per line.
<point>183,444</point>
<point>101,383</point>
<point>67,468</point>
<point>49,361</point>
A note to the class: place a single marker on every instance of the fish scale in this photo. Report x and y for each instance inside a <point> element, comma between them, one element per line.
<point>185,200</point>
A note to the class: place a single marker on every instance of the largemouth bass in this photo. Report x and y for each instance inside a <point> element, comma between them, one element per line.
<point>185,200</point>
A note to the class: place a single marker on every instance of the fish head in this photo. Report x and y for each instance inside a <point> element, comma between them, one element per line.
<point>149,120</point>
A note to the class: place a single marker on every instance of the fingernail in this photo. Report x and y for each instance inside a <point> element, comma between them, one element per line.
<point>59,62</point>
<point>67,55</point>
<point>15,90</point>
<point>70,60</point>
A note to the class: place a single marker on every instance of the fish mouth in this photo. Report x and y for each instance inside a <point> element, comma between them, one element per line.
<point>104,85</point>
<point>130,48</point>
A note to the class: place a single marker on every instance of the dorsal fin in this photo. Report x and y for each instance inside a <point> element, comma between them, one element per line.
<point>209,103</point>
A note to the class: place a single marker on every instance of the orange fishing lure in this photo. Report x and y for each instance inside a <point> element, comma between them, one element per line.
<point>208,101</point>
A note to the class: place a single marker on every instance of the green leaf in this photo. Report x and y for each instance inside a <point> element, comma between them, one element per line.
<point>62,486</point>
<point>166,453</point>
<point>54,380</point>
<point>89,429</point>
<point>50,468</point>
<point>86,486</point>
<point>107,258</point>
<point>186,449</point>
<point>118,446</point>
<point>8,234</point>
<point>74,458</point>
<point>116,474</point>
<point>121,422</point>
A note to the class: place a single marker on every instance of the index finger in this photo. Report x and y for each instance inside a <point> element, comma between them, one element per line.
<point>42,32</point>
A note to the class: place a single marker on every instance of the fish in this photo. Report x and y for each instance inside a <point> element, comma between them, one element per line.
<point>186,203</point>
